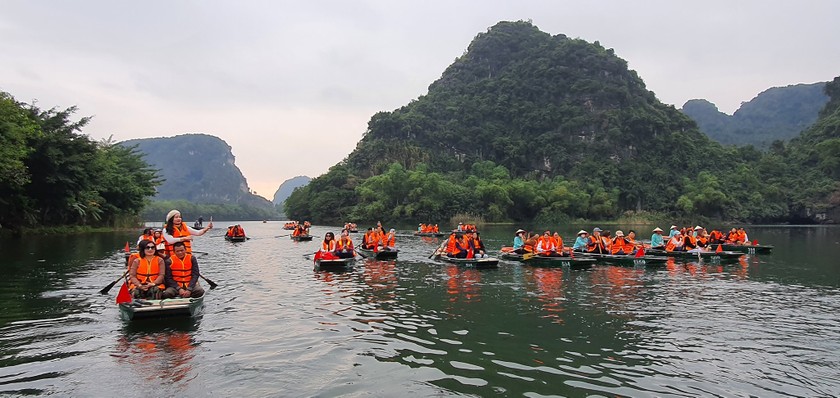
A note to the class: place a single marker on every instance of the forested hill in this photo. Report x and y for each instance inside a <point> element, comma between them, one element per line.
<point>198,168</point>
<point>779,113</point>
<point>530,126</point>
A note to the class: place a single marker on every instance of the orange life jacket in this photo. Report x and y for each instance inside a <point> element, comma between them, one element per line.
<point>689,242</point>
<point>620,243</point>
<point>671,245</point>
<point>558,243</point>
<point>342,245</point>
<point>148,271</point>
<point>451,246</point>
<point>389,240</point>
<point>732,237</point>
<point>182,270</point>
<point>328,246</point>
<point>545,244</point>
<point>741,236</point>
<point>702,241</point>
<point>181,232</point>
<point>596,244</point>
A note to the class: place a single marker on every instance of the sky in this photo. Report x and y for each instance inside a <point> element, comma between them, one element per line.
<point>291,85</point>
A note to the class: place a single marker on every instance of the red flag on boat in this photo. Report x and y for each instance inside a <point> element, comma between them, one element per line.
<point>719,249</point>
<point>572,253</point>
<point>123,296</point>
<point>640,252</point>
<point>755,242</point>
<point>127,249</point>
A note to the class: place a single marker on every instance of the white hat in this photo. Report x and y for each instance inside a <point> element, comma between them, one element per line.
<point>619,233</point>
<point>698,227</point>
<point>161,246</point>
<point>582,232</point>
<point>673,227</point>
<point>657,229</point>
<point>519,231</point>
<point>596,229</point>
<point>171,214</point>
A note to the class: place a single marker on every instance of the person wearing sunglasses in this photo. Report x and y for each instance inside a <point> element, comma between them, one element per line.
<point>146,273</point>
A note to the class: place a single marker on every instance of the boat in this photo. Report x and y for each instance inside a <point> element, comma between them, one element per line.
<point>548,261</point>
<point>709,255</point>
<point>430,234</point>
<point>578,262</point>
<point>236,238</point>
<point>353,231</point>
<point>379,255</point>
<point>335,264</point>
<point>486,262</point>
<point>626,260</point>
<point>748,249</point>
<point>301,238</point>
<point>153,309</point>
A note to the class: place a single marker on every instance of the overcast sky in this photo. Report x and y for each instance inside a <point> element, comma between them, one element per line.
<point>291,85</point>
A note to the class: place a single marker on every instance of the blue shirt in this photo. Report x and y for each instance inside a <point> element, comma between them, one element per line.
<point>518,243</point>
<point>672,233</point>
<point>580,243</point>
<point>656,240</point>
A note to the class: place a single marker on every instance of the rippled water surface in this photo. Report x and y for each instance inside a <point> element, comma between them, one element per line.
<point>766,325</point>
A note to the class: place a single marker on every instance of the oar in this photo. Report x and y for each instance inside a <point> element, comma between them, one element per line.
<point>281,236</point>
<point>106,289</point>
<point>438,249</point>
<point>528,256</point>
<point>209,282</point>
<point>199,252</point>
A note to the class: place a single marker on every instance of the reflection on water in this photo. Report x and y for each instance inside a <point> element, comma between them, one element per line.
<point>765,325</point>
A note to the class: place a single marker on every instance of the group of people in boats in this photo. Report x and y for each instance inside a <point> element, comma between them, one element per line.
<point>350,226</point>
<point>428,229</point>
<point>164,266</point>
<point>602,242</point>
<point>466,244</point>
<point>301,229</point>
<point>235,231</point>
<point>376,239</point>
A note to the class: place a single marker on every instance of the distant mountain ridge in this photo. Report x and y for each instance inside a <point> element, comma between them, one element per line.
<point>287,187</point>
<point>778,113</point>
<point>199,168</point>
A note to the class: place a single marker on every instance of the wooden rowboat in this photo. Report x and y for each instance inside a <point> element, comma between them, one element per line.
<point>627,260</point>
<point>577,262</point>
<point>380,255</point>
<point>708,256</point>
<point>236,238</point>
<point>153,309</point>
<point>301,238</point>
<point>487,262</point>
<point>749,249</point>
<point>335,264</point>
<point>430,234</point>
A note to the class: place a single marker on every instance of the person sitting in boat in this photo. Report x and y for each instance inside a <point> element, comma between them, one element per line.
<point>182,274</point>
<point>157,236</point>
<point>519,242</point>
<point>703,239</point>
<point>673,231</point>
<point>344,246</point>
<point>631,238</point>
<point>675,244</point>
<point>732,236</point>
<point>147,235</point>
<point>742,237</point>
<point>716,237</point>
<point>545,245</point>
<point>455,247</point>
<point>581,241</point>
<point>460,227</point>
<point>301,230</point>
<point>596,242</point>
<point>478,246</point>
<point>328,245</point>
<point>657,241</point>
<point>177,231</point>
<point>436,229</point>
<point>370,239</point>
<point>389,240</point>
<point>620,245</point>
<point>146,273</point>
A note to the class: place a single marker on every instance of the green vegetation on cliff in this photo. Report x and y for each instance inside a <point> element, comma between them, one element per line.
<point>527,126</point>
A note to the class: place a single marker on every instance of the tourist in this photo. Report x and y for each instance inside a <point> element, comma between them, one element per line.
<point>177,231</point>
<point>182,274</point>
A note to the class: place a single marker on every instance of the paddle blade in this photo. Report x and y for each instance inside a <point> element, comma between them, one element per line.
<point>527,256</point>
<point>123,296</point>
<point>719,249</point>
<point>640,253</point>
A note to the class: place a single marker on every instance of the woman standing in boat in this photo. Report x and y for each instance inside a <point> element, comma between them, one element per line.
<point>146,272</point>
<point>177,231</point>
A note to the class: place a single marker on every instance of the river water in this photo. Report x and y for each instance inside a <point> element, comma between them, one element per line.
<point>764,326</point>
